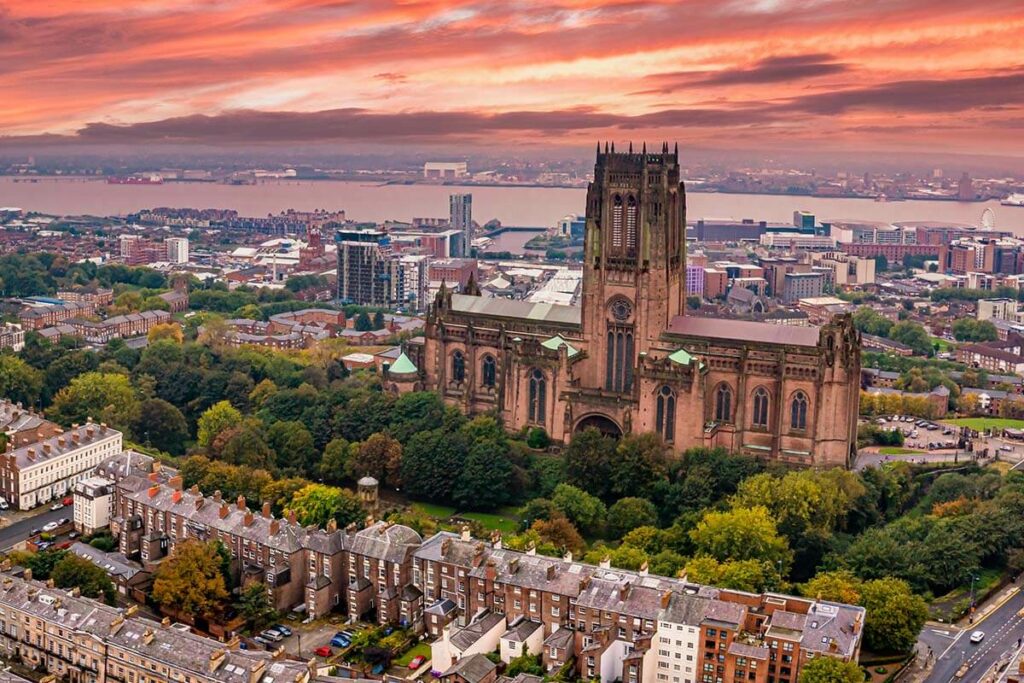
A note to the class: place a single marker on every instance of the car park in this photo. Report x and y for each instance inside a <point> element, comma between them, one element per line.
<point>977,637</point>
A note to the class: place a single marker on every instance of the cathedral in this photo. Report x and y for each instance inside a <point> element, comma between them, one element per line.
<point>628,358</point>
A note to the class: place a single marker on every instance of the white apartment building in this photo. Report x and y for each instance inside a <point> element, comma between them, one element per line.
<point>12,336</point>
<point>94,501</point>
<point>177,249</point>
<point>678,641</point>
<point>38,472</point>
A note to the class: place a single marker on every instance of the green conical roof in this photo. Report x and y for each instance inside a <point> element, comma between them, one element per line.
<point>403,366</point>
<point>556,342</point>
<point>681,356</point>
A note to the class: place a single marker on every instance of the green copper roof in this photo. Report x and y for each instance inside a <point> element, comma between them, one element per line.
<point>403,365</point>
<point>556,342</point>
<point>681,356</point>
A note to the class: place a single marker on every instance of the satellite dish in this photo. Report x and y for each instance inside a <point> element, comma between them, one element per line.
<point>988,219</point>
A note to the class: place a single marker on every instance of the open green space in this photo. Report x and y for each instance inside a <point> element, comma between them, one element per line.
<point>982,423</point>
<point>499,522</point>
<point>897,450</point>
<point>418,649</point>
<point>439,512</point>
<point>956,603</point>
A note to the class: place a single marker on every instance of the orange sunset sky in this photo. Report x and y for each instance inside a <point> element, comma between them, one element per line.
<point>816,74</point>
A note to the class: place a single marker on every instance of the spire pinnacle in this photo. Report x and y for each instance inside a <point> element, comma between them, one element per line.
<point>677,148</point>
<point>630,146</point>
<point>613,147</point>
<point>644,151</point>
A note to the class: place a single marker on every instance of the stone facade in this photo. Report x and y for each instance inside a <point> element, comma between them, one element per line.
<point>628,360</point>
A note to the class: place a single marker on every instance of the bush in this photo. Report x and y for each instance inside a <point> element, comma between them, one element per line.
<point>538,438</point>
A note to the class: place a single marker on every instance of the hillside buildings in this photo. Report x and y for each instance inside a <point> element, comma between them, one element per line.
<point>12,336</point>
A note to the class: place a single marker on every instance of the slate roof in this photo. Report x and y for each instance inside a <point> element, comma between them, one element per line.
<point>521,630</point>
<point>449,548</point>
<point>830,628</point>
<point>522,310</point>
<point>474,668</point>
<point>465,638</point>
<point>383,541</point>
<point>743,330</point>
<point>35,454</point>
<point>114,564</point>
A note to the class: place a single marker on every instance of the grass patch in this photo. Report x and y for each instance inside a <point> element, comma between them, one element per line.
<point>944,345</point>
<point>434,510</point>
<point>897,450</point>
<point>956,603</point>
<point>983,423</point>
<point>418,649</point>
<point>504,524</point>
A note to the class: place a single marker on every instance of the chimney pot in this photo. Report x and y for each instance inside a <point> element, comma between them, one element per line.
<point>224,510</point>
<point>240,502</point>
<point>266,510</point>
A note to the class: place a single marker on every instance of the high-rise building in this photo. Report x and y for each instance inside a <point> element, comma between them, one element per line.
<point>366,267</point>
<point>965,188</point>
<point>177,249</point>
<point>460,208</point>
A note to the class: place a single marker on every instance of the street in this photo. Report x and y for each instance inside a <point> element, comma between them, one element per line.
<point>1002,627</point>
<point>19,531</point>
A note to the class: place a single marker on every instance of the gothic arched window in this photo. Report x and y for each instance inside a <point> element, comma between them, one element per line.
<point>538,397</point>
<point>798,411</point>
<point>631,224</point>
<point>665,418</point>
<point>490,371</point>
<point>458,367</point>
<point>617,221</point>
<point>723,403</point>
<point>760,416</point>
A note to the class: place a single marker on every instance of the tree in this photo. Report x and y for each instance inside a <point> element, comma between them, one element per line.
<point>378,320</point>
<point>560,533</point>
<point>894,615</point>
<point>838,586</point>
<point>216,419</point>
<point>627,557</point>
<point>317,504</point>
<point>171,331</point>
<point>745,575</point>
<point>333,467</point>
<point>830,670</point>
<point>588,462</point>
<point>191,581</point>
<point>525,664</point>
<point>584,510</point>
<point>245,445</point>
<point>363,322</point>
<point>254,605</point>
<point>104,396</point>
<point>19,381</point>
<point>159,423</point>
<point>293,445</point>
<point>93,581</point>
<point>279,493</point>
<point>486,477</point>
<point>913,335</point>
<point>741,534</point>
<point>430,462</point>
<point>380,457</point>
<point>667,563</point>
<point>629,513</point>
<point>640,460</point>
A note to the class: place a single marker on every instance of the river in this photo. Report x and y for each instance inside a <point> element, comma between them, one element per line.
<point>524,206</point>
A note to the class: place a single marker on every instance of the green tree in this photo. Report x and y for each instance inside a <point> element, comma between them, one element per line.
<point>19,381</point>
<point>191,580</point>
<point>333,467</point>
<point>103,396</point>
<point>627,557</point>
<point>279,493</point>
<point>159,423</point>
<point>894,615</point>
<point>741,534</point>
<point>588,462</point>
<point>93,581</point>
<point>254,605</point>
<point>216,419</point>
<point>830,670</point>
<point>525,664</point>
<point>430,463</point>
<point>913,335</point>
<point>838,586</point>
<point>485,480</point>
<point>245,445</point>
<point>584,510</point>
<point>640,460</point>
<point>363,322</point>
<point>317,504</point>
<point>746,575</point>
<point>380,457</point>
<point>667,563</point>
<point>628,514</point>
<point>293,445</point>
<point>869,321</point>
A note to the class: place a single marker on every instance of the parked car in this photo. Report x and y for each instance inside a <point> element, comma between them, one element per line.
<point>34,532</point>
<point>63,520</point>
<point>57,506</point>
<point>340,641</point>
<point>44,545</point>
<point>322,651</point>
<point>282,629</point>
<point>264,642</point>
<point>377,669</point>
<point>73,535</point>
<point>271,634</point>
<point>68,501</point>
<point>417,662</point>
<point>50,526</point>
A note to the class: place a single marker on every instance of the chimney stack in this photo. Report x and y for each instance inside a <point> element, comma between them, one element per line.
<point>266,510</point>
<point>466,536</point>
<point>568,556</point>
<point>216,496</point>
<point>224,510</point>
<point>275,526</point>
<point>176,482</point>
<point>240,502</point>
<point>606,562</point>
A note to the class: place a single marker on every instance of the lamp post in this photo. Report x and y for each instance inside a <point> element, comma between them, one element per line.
<point>973,579</point>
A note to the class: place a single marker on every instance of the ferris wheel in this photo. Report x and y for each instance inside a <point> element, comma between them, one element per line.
<point>988,219</point>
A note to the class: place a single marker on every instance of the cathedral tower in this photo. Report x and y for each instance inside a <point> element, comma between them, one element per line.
<point>635,260</point>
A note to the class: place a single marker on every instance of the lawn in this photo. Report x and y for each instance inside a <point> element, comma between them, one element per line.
<point>955,604</point>
<point>983,423</point>
<point>439,512</point>
<point>504,523</point>
<point>897,450</point>
<point>418,649</point>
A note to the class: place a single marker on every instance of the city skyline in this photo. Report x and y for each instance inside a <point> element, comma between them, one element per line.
<point>909,75</point>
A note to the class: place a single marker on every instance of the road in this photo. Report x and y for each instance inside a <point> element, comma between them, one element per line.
<point>1003,627</point>
<point>19,531</point>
